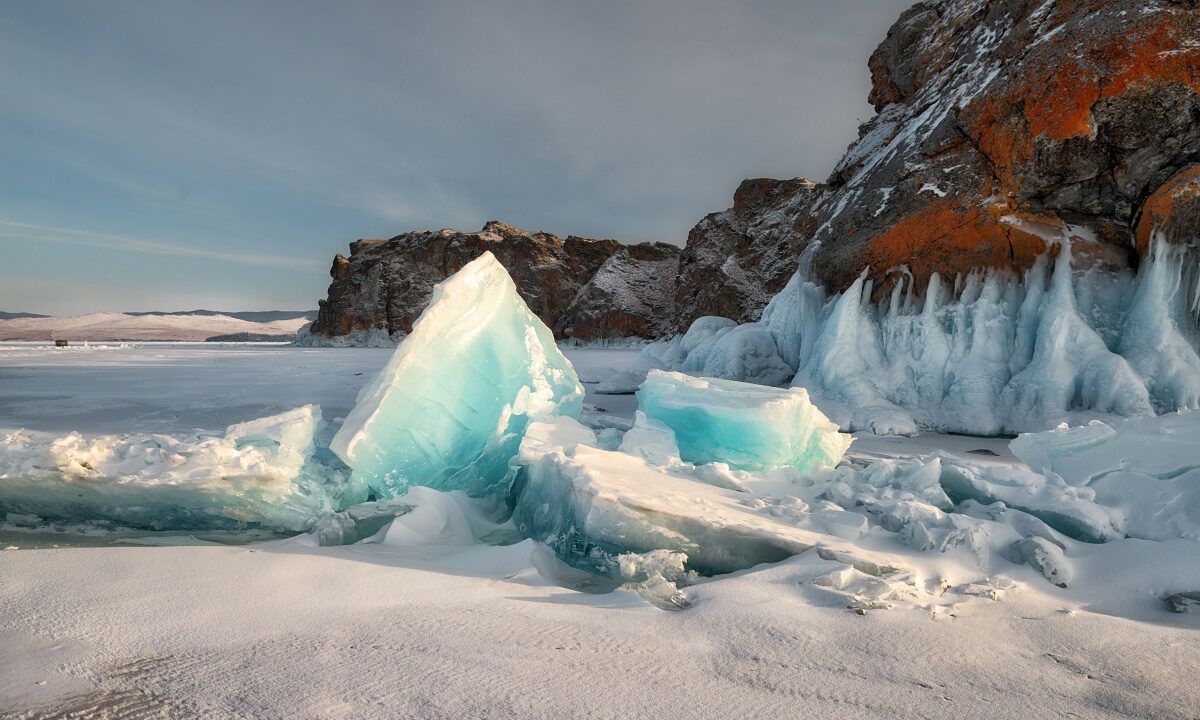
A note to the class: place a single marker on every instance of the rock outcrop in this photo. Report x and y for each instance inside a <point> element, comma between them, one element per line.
<point>631,295</point>
<point>1001,125</point>
<point>736,260</point>
<point>583,288</point>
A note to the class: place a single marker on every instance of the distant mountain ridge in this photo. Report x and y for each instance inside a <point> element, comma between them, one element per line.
<point>262,316</point>
<point>177,327</point>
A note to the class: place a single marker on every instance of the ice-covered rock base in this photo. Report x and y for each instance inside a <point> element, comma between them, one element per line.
<point>986,354</point>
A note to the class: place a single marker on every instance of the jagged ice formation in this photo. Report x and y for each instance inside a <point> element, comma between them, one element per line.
<point>988,354</point>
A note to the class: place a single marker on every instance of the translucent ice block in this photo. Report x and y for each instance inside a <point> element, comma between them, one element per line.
<point>746,426</point>
<point>450,408</point>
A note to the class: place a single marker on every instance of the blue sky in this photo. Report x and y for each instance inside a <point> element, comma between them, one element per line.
<point>170,155</point>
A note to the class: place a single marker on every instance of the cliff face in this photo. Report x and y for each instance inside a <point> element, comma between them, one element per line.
<point>1001,124</point>
<point>381,289</point>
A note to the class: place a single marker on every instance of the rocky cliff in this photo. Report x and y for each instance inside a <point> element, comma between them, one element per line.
<point>583,288</point>
<point>1001,124</point>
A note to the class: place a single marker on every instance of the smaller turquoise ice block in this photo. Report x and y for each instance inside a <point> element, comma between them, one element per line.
<point>748,427</point>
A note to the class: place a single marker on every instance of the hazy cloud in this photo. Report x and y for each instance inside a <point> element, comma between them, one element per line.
<point>279,131</point>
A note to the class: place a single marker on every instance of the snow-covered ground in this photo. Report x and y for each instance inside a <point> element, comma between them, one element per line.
<point>432,623</point>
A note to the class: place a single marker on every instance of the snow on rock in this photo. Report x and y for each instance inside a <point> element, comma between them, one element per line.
<point>258,473</point>
<point>743,425</point>
<point>629,296</point>
<point>449,409</point>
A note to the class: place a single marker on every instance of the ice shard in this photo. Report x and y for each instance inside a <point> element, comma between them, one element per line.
<point>449,410</point>
<point>743,425</point>
<point>259,473</point>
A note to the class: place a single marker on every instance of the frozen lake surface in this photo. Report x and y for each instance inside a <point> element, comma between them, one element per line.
<point>427,624</point>
<point>113,388</point>
<point>177,387</point>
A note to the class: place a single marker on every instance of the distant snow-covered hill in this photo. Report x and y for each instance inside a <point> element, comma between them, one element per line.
<point>151,326</point>
<point>14,315</point>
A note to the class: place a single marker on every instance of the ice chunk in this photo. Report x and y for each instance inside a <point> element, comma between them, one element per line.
<point>1045,450</point>
<point>620,382</point>
<point>450,408</point>
<point>1183,602</point>
<point>698,342</point>
<point>1043,556</point>
<point>1071,510</point>
<point>743,425</point>
<point>702,329</point>
<point>1147,471</point>
<point>651,440</point>
<point>593,506</point>
<point>258,473</point>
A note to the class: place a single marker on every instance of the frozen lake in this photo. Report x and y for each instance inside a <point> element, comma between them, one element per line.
<point>178,387</point>
<point>174,625</point>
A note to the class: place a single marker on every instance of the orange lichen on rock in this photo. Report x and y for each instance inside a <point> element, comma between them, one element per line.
<point>948,238</point>
<point>1173,209</point>
<point>1059,100</point>
<point>1054,95</point>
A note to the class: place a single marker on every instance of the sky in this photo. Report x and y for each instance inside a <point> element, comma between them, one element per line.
<point>163,155</point>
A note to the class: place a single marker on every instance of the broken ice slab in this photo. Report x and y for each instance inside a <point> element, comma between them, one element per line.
<point>258,474</point>
<point>593,505</point>
<point>1147,470</point>
<point>1163,446</point>
<point>1073,511</point>
<point>746,426</point>
<point>451,406</point>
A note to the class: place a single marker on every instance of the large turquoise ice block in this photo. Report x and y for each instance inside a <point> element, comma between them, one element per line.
<point>746,426</point>
<point>450,408</point>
